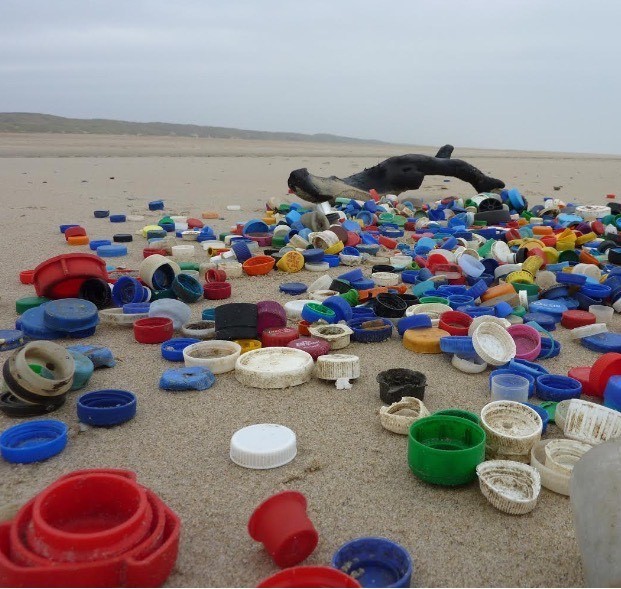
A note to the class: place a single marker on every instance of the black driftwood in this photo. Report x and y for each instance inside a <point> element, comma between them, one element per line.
<point>392,176</point>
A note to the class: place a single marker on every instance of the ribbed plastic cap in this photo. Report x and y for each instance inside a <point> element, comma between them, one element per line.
<point>263,446</point>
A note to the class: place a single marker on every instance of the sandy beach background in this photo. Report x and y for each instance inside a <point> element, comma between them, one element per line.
<point>354,473</point>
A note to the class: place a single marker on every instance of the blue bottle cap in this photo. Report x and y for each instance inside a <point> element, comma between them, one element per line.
<point>568,278</point>
<point>546,321</point>
<point>363,284</point>
<point>545,417</point>
<point>333,260</point>
<point>101,214</point>
<point>106,407</point>
<point>126,290</point>
<point>208,314</point>
<point>457,344</point>
<point>70,315</point>
<point>83,370</point>
<point>603,342</point>
<point>172,349</point>
<point>340,306</point>
<point>33,325</point>
<point>377,562</point>
<point>95,243</point>
<point>612,393</point>
<point>502,309</point>
<point>313,255</point>
<point>553,308</point>
<point>133,308</point>
<point>10,339</point>
<point>33,441</point>
<point>117,218</point>
<point>111,251</point>
<point>156,205</point>
<point>555,387</point>
<point>293,288</point>
<point>100,356</point>
<point>190,378</point>
<point>352,276</point>
<point>420,321</point>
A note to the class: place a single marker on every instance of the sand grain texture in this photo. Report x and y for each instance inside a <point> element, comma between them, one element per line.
<point>354,473</point>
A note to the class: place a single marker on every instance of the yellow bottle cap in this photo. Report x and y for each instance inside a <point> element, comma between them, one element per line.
<point>532,264</point>
<point>424,341</point>
<point>551,254</point>
<point>336,248</point>
<point>248,345</point>
<point>148,228</point>
<point>521,276</point>
<point>586,238</point>
<point>291,262</point>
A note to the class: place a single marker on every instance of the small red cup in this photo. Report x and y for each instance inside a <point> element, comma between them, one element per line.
<point>281,524</point>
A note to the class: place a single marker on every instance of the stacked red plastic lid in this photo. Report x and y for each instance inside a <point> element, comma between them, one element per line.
<point>91,528</point>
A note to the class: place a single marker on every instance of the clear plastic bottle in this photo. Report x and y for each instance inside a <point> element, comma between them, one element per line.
<point>594,491</point>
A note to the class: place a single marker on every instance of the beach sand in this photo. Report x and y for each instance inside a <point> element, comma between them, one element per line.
<point>354,473</point>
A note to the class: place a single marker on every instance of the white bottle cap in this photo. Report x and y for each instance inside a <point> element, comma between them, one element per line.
<point>263,446</point>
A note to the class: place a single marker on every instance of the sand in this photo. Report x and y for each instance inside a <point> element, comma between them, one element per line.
<point>353,472</point>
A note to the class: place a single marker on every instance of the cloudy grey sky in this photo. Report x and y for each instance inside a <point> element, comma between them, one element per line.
<point>524,74</point>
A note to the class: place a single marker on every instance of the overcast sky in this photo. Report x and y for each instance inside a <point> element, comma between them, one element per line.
<point>523,74</point>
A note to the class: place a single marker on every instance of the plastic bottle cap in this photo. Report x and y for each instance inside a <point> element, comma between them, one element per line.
<point>274,368</point>
<point>424,341</point>
<point>309,576</point>
<point>282,525</point>
<point>469,364</point>
<point>218,356</point>
<point>293,288</point>
<point>263,446</point>
<point>33,441</point>
<point>493,344</point>
<point>106,407</point>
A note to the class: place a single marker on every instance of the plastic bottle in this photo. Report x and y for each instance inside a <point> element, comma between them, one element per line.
<point>594,492</point>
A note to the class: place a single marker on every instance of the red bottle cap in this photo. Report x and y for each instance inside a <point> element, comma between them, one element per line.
<point>303,326</point>
<point>281,524</point>
<point>75,232</point>
<point>214,275</point>
<point>26,276</point>
<point>216,291</point>
<point>353,239</point>
<point>575,318</point>
<point>388,242</point>
<point>611,196</point>
<point>195,223</point>
<point>603,368</point>
<point>151,251</point>
<point>311,576</point>
<point>598,227</point>
<point>278,336</point>
<point>314,346</point>
<point>455,322</point>
<point>153,330</point>
<point>583,375</point>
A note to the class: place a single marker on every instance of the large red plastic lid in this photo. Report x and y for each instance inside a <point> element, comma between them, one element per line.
<point>603,368</point>
<point>310,576</point>
<point>576,318</point>
<point>62,276</point>
<point>91,528</point>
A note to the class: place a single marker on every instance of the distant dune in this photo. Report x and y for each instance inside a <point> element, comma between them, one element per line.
<point>24,122</point>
